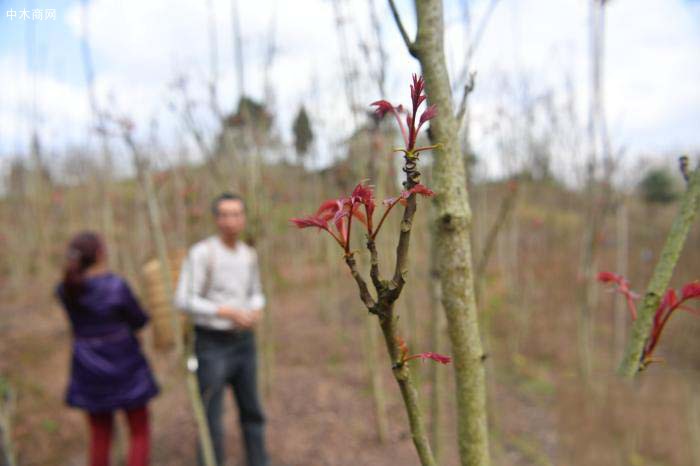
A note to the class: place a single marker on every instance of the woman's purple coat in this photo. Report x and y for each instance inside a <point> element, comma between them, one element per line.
<point>108,369</point>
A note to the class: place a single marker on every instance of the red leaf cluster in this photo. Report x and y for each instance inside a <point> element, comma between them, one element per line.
<point>339,212</point>
<point>410,130</point>
<point>669,303</point>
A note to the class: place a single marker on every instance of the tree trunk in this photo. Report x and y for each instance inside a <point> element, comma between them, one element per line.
<point>437,329</point>
<point>375,378</point>
<point>453,224</point>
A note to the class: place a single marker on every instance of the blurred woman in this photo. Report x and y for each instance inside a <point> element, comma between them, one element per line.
<point>108,369</point>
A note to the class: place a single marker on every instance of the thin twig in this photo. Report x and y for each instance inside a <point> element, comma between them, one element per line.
<point>213,62</point>
<point>365,295</point>
<point>384,215</point>
<point>381,50</point>
<point>468,89</point>
<point>505,208</point>
<point>404,35</point>
<point>374,267</point>
<point>406,222</point>
<point>404,239</point>
<point>476,40</point>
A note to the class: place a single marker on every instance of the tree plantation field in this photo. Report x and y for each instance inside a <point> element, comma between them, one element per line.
<point>316,382</point>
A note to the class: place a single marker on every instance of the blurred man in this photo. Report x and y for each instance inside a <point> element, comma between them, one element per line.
<point>220,288</point>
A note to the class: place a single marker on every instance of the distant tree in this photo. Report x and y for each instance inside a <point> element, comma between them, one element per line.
<point>253,114</point>
<point>17,178</point>
<point>303,134</point>
<point>657,187</point>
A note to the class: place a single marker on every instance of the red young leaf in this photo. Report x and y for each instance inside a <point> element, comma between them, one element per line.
<point>328,208</point>
<point>310,221</point>
<point>690,291</point>
<point>417,91</point>
<point>364,194</point>
<point>608,277</point>
<point>622,288</point>
<point>412,126</point>
<point>316,221</point>
<point>341,209</point>
<point>441,358</point>
<point>668,304</point>
<point>335,211</point>
<point>428,114</point>
<point>417,189</point>
<point>383,107</point>
<point>359,215</point>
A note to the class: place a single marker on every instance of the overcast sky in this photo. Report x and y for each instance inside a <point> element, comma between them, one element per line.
<point>651,65</point>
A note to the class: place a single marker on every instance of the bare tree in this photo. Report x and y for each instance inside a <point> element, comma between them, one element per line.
<point>599,201</point>
<point>101,131</point>
<point>154,216</point>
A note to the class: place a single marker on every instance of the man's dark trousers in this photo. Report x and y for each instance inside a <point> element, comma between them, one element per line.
<point>228,358</point>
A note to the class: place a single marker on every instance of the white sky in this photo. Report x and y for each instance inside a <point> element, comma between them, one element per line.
<point>139,48</point>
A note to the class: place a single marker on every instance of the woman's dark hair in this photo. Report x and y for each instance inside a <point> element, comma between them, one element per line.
<point>82,252</point>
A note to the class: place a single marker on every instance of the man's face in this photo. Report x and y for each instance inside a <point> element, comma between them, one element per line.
<point>230,218</point>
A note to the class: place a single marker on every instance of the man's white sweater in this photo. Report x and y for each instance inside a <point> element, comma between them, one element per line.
<point>214,275</point>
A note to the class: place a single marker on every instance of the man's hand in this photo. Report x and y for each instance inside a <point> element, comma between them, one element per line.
<point>241,318</point>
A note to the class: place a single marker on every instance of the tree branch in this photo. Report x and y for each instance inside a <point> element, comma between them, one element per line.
<point>468,89</point>
<point>401,269</point>
<point>505,208</point>
<point>409,45</point>
<point>381,50</point>
<point>402,374</point>
<point>374,267</point>
<point>662,275</point>
<point>476,40</point>
<point>365,295</point>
